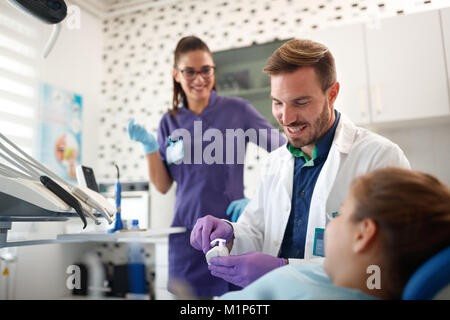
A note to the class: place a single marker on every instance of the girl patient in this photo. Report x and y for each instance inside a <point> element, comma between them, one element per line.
<point>392,221</point>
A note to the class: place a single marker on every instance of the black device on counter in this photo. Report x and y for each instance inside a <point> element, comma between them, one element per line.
<point>86,178</point>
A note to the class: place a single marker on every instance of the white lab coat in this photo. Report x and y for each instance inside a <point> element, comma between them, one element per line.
<point>354,151</point>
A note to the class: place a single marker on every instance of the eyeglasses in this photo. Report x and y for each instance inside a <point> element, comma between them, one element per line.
<point>190,74</point>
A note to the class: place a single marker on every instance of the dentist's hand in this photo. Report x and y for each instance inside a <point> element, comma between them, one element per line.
<point>236,208</point>
<point>138,133</point>
<point>207,229</point>
<point>243,269</point>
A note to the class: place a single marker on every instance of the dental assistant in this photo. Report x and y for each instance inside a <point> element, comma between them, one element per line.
<point>203,186</point>
<point>303,182</point>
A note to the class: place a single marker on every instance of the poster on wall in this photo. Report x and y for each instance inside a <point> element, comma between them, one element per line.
<point>59,130</point>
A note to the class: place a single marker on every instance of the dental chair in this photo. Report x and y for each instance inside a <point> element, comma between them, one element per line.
<point>431,280</point>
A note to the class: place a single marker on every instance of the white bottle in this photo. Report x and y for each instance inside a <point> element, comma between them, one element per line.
<point>218,251</point>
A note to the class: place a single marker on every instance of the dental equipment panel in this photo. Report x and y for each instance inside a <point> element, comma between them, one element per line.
<point>29,191</point>
<point>64,196</point>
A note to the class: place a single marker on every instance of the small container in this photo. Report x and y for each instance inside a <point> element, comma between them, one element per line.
<point>138,288</point>
<point>220,250</point>
<point>134,224</point>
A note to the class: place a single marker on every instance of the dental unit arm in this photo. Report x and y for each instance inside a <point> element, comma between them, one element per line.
<point>43,190</point>
<point>29,191</point>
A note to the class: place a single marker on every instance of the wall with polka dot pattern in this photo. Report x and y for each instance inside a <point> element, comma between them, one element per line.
<point>138,56</point>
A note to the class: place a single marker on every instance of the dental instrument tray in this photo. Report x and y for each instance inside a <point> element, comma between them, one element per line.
<point>29,191</point>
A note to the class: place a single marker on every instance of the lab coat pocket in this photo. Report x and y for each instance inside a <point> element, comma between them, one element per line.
<point>316,227</point>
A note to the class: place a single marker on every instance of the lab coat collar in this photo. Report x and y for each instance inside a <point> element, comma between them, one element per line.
<point>345,134</point>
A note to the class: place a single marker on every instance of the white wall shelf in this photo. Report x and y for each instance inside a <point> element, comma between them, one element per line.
<point>148,236</point>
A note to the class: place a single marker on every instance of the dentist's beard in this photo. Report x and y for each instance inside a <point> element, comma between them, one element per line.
<point>314,132</point>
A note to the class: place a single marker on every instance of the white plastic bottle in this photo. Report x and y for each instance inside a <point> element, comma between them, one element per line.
<point>220,250</point>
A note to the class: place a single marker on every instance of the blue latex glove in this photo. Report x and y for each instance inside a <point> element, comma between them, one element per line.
<point>207,229</point>
<point>243,269</point>
<point>138,133</point>
<point>236,208</point>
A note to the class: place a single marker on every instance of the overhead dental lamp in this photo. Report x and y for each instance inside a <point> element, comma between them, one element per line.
<point>48,11</point>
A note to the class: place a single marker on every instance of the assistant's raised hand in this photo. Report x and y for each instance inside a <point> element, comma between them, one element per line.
<point>138,133</point>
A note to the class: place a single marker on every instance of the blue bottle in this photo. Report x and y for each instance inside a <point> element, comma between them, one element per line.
<point>136,268</point>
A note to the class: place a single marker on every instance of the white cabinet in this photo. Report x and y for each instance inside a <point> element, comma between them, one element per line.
<point>162,271</point>
<point>445,19</point>
<point>347,46</point>
<point>407,68</point>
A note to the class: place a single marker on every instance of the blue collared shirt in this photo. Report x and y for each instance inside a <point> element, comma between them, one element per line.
<point>306,172</point>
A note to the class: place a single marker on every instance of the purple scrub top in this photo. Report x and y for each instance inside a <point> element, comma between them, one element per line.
<point>207,189</point>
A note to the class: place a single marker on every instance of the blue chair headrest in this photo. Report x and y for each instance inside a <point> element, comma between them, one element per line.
<point>430,278</point>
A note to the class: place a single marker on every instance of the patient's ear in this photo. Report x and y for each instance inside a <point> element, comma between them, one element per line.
<point>364,236</point>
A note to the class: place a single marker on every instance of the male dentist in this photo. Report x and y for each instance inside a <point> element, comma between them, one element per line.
<point>303,183</point>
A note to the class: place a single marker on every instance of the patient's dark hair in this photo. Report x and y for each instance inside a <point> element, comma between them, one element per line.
<point>412,212</point>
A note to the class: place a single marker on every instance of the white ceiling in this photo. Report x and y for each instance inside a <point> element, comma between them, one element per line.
<point>108,8</point>
<point>111,8</point>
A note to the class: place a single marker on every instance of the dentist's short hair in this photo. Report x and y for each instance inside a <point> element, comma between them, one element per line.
<point>298,53</point>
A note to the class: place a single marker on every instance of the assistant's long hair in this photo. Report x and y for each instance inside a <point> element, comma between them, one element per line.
<point>412,212</point>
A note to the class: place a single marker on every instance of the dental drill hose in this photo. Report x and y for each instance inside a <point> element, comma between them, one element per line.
<point>64,196</point>
<point>118,225</point>
<point>91,202</point>
<point>118,190</point>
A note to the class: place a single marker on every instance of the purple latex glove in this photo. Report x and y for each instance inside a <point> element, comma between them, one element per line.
<point>207,229</point>
<point>243,269</point>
